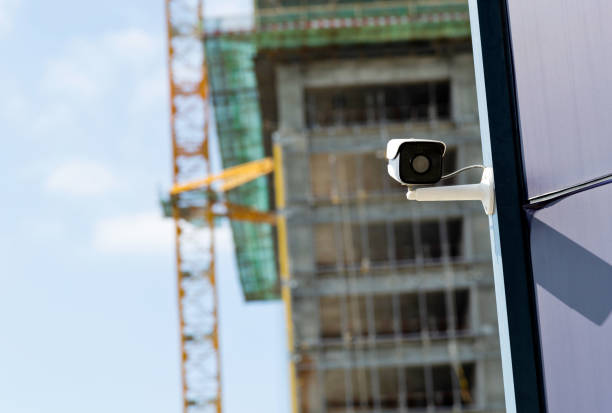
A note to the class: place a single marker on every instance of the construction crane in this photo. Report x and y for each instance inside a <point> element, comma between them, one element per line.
<point>196,200</point>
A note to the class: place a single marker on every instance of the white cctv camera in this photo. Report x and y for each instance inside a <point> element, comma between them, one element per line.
<point>420,162</point>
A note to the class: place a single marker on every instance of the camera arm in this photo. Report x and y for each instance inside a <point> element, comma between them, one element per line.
<point>483,191</point>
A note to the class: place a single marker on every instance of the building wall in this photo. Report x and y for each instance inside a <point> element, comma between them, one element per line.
<point>385,320</point>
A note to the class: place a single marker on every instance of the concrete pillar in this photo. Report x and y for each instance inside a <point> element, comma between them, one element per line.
<point>290,91</point>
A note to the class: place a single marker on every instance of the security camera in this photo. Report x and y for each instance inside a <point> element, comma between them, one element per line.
<point>420,161</point>
<point>415,161</point>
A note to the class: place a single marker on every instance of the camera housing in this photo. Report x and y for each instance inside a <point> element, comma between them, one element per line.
<point>415,161</point>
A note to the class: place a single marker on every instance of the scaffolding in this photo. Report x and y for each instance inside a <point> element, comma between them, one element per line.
<point>351,22</point>
<point>239,128</point>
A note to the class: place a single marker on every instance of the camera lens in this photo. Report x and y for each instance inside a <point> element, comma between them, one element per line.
<point>420,161</point>
<point>420,164</point>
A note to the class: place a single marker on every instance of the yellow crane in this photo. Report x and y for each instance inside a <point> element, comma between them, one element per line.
<point>196,200</point>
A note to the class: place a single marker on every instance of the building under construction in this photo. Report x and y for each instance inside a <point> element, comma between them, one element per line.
<point>391,304</point>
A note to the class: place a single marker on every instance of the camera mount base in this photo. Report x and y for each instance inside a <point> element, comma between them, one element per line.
<point>483,191</point>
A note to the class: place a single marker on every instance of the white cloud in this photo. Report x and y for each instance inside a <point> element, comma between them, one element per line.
<point>148,233</point>
<point>141,233</point>
<point>97,80</point>
<point>110,84</point>
<point>92,67</point>
<point>81,178</point>
<point>8,8</point>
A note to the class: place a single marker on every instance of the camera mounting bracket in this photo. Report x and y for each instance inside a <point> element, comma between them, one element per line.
<point>483,191</point>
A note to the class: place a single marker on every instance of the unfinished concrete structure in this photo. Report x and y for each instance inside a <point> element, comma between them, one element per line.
<point>393,308</point>
<point>389,297</point>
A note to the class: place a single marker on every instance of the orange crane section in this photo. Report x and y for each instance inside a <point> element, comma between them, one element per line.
<point>230,177</point>
<point>197,292</point>
<point>196,202</point>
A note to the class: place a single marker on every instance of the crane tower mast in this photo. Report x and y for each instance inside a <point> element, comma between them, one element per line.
<point>197,198</point>
<point>199,334</point>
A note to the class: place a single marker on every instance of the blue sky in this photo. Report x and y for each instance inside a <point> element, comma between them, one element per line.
<point>88,316</point>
